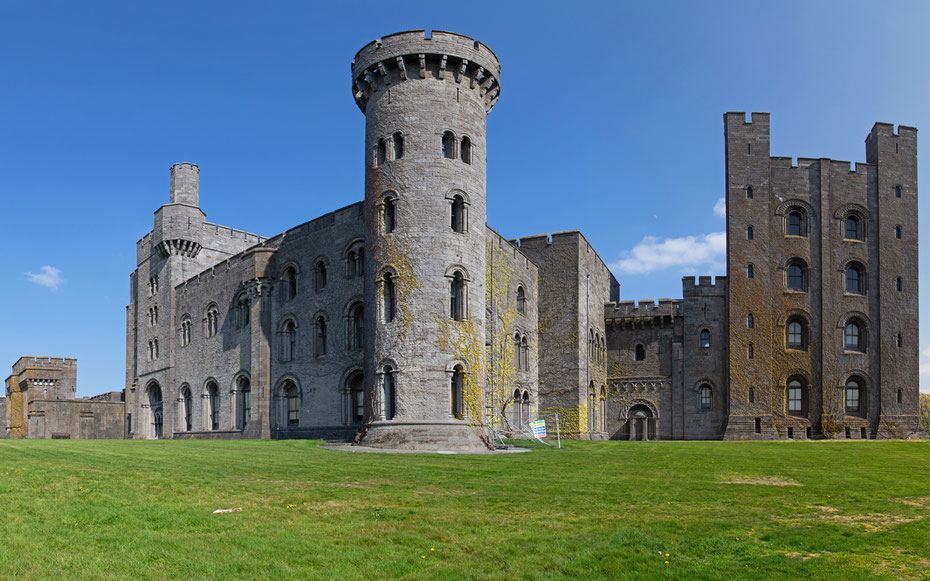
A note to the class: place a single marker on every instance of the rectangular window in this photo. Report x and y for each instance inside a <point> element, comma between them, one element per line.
<point>852,400</point>
<point>758,425</point>
<point>794,399</point>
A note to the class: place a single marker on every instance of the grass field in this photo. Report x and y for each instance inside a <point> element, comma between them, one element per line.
<point>644,510</point>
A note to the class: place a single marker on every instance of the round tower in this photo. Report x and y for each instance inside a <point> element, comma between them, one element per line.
<point>425,101</point>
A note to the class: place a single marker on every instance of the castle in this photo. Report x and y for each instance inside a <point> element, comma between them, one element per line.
<point>404,321</point>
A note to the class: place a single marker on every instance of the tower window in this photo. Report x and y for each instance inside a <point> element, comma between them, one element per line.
<point>448,145</point>
<point>855,341</point>
<point>320,347</point>
<point>897,232</point>
<point>900,396</point>
<point>389,297</point>
<point>897,191</point>
<point>899,340</point>
<point>381,156</point>
<point>457,302</point>
<point>705,397</point>
<point>458,214</point>
<point>389,215</point>
<point>749,233</point>
<point>898,284</point>
<point>795,397</point>
<point>750,271</point>
<point>852,396</point>
<point>796,223</point>
<point>751,351</point>
<point>398,146</point>
<point>796,333</point>
<point>357,327</point>
<point>854,280</point>
<point>521,301</point>
<point>750,321</point>
<point>640,352</point>
<point>319,280</point>
<point>853,230</point>
<point>752,395</point>
<point>748,192</point>
<point>466,150</point>
<point>186,330</point>
<point>797,275</point>
<point>705,339</point>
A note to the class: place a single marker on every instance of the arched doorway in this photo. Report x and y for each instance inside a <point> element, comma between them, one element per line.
<point>641,423</point>
<point>156,411</point>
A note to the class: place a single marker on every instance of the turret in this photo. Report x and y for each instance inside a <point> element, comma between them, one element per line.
<point>179,224</point>
<point>425,101</point>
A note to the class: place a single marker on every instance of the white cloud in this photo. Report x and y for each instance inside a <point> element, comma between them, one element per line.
<point>720,208</point>
<point>688,254</point>
<point>50,277</point>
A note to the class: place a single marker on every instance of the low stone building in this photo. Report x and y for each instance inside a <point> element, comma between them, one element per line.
<point>40,403</point>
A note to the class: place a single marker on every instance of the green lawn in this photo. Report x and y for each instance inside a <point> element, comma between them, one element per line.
<point>121,509</point>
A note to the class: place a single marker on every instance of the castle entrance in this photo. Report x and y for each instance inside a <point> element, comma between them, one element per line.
<point>156,409</point>
<point>641,424</point>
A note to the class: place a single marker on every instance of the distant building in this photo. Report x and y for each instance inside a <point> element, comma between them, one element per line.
<point>40,403</point>
<point>405,321</point>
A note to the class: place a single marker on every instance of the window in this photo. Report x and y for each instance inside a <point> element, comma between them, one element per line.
<point>705,398</point>
<point>758,425</point>
<point>243,309</point>
<point>752,395</point>
<point>796,223</point>
<point>356,392</point>
<point>448,145</point>
<point>854,282</point>
<point>751,351</point>
<point>897,232</point>
<point>390,393</point>
<point>640,352</point>
<point>154,349</point>
<point>797,275</point>
<point>852,396</point>
<point>899,340</point>
<point>293,403</point>
<point>525,352</point>
<point>853,230</point>
<point>389,293</point>
<point>897,191</point>
<point>320,346</point>
<point>854,338</point>
<point>382,152</point>
<point>458,214</point>
<point>517,411</point>
<point>398,146</point>
<point>213,320</point>
<point>351,264</point>
<point>213,405</point>
<point>245,402</point>
<point>289,284</point>
<point>153,316</point>
<point>458,385</point>
<point>457,302</point>
<point>389,215</point>
<point>750,321</point>
<point>900,396</point>
<point>795,337</point>
<point>356,331</point>
<point>466,150</point>
<point>187,404</point>
<point>289,343</point>
<point>153,286</point>
<point>748,192</point>
<point>319,275</point>
<point>795,397</point>
<point>186,330</point>
<point>360,269</point>
<point>521,301</point>
<point>898,284</point>
<point>749,233</point>
<point>517,359</point>
<point>750,271</point>
<point>705,339</point>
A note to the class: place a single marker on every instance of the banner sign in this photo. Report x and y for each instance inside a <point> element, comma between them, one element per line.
<point>539,428</point>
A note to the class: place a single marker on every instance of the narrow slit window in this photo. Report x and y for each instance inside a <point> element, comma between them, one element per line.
<point>466,150</point>
<point>398,146</point>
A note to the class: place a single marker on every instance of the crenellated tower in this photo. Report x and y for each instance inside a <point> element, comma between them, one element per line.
<point>425,100</point>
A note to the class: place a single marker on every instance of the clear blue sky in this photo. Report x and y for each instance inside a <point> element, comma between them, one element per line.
<point>610,121</point>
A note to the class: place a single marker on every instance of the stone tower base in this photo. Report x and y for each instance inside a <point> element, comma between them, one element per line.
<point>426,435</point>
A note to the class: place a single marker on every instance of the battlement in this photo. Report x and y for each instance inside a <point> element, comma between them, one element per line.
<point>32,362</point>
<point>757,119</point>
<point>706,286</point>
<point>645,308</point>
<point>888,130</point>
<point>228,232</point>
<point>509,246</point>
<point>404,56</point>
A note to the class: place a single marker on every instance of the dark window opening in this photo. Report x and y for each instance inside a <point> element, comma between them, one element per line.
<point>640,352</point>
<point>390,215</point>
<point>458,214</point>
<point>457,297</point>
<point>750,271</point>
<point>448,145</point>
<point>466,150</point>
<point>705,339</point>
<point>749,233</point>
<point>897,191</point>
<point>398,146</point>
<point>795,224</point>
<point>852,228</point>
<point>758,425</point>
<point>898,284</point>
<point>854,282</point>
<point>748,192</point>
<point>389,297</point>
<point>382,152</point>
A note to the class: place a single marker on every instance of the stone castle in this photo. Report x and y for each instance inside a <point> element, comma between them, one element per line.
<point>405,321</point>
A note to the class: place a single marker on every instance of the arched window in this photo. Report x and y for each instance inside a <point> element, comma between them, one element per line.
<point>521,301</point>
<point>466,150</point>
<point>357,327</point>
<point>351,264</point>
<point>705,397</point>
<point>156,410</point>
<point>187,404</point>
<point>289,345</point>
<point>213,321</point>
<point>525,352</point>
<point>398,146</point>
<point>293,403</point>
<point>319,275</point>
<point>750,321</point>
<point>853,396</point>
<point>289,284</point>
<point>458,214</point>
<point>244,401</point>
<point>458,387</point>
<point>360,269</point>
<point>751,351</point>
<point>243,310</point>
<point>750,271</point>
<point>155,349</point>
<point>213,406</point>
<point>749,233</point>
<point>796,223</point>
<point>796,333</point>
<point>457,302</point>
<point>356,391</point>
<point>748,192</point>
<point>898,284</point>
<point>186,330</point>
<point>389,297</point>
<point>516,412</point>
<point>640,354</point>
<point>795,396</point>
<point>854,336</point>
<point>853,230</point>
<point>448,145</point>
<point>390,392</point>
<point>797,275</point>
<point>897,232</point>
<point>389,215</point>
<point>897,191</point>
<point>705,339</point>
<point>382,152</point>
<point>854,280</point>
<point>320,346</point>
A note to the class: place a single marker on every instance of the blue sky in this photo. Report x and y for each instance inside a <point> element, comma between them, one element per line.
<point>610,121</point>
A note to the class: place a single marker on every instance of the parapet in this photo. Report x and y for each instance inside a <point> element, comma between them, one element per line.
<point>415,55</point>
<point>646,308</point>
<point>706,286</point>
<point>32,362</point>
